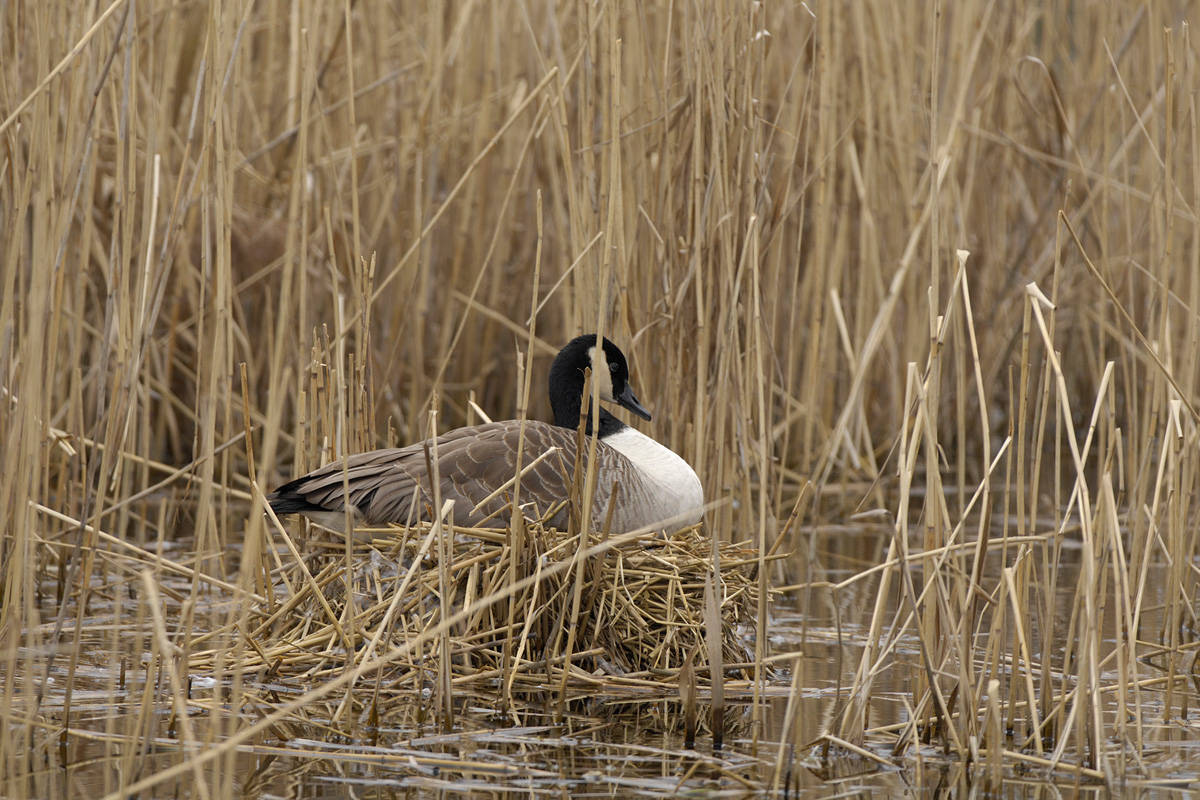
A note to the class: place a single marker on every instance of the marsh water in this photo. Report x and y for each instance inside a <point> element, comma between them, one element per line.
<point>619,743</point>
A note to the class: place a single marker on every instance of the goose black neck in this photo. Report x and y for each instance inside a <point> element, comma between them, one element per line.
<point>568,406</point>
<point>608,423</point>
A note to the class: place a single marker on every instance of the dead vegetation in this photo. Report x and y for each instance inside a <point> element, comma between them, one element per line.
<point>935,266</point>
<point>636,604</point>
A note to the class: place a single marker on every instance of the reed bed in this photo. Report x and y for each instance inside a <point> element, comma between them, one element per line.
<point>920,281</point>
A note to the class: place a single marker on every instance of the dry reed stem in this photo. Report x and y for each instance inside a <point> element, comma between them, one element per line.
<point>750,199</point>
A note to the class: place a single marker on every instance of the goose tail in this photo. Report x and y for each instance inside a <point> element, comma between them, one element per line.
<point>291,498</point>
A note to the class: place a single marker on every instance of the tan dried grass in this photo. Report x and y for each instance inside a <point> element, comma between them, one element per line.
<point>642,613</point>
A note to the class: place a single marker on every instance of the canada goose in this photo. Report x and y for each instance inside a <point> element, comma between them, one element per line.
<point>655,486</point>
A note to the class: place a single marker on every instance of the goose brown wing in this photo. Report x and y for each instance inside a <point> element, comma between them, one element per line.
<point>474,467</point>
<point>472,463</point>
<point>366,474</point>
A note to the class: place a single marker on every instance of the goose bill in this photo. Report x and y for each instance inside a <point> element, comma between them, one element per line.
<point>630,401</point>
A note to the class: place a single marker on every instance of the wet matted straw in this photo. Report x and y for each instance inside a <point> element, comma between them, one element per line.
<point>636,603</point>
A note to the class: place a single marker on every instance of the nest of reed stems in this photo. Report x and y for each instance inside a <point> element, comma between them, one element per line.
<point>490,608</point>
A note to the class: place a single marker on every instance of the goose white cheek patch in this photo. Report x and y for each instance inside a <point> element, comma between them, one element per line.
<point>602,376</point>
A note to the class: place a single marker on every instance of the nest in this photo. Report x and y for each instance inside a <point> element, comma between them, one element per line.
<point>492,607</point>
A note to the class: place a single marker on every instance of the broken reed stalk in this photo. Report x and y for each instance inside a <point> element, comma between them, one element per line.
<point>687,697</point>
<point>713,628</point>
<point>443,533</point>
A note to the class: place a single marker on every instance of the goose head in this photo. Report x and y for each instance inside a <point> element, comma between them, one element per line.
<point>609,369</point>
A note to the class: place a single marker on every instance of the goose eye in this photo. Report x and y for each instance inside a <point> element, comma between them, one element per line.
<point>612,368</point>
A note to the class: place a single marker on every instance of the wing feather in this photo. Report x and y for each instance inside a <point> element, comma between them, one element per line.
<point>472,463</point>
